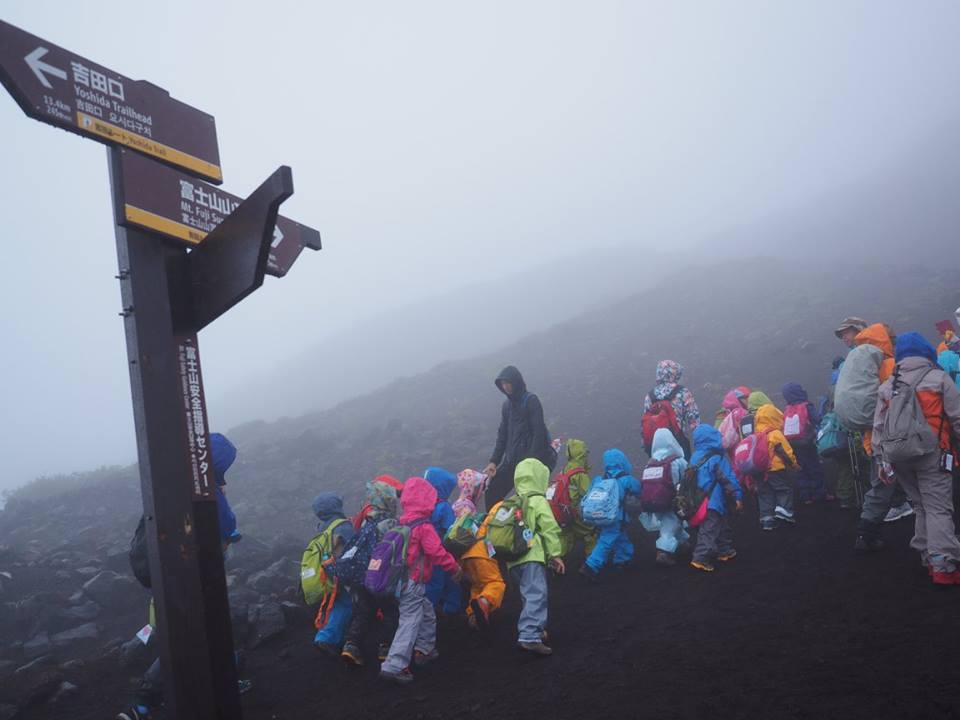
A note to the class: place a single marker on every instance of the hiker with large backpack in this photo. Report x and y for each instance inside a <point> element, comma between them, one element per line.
<point>603,507</point>
<point>775,489</point>
<point>658,488</point>
<point>522,434</point>
<point>149,694</point>
<point>319,582</point>
<point>915,427</point>
<point>568,491</point>
<point>524,532</point>
<point>414,550</point>
<point>869,364</point>
<point>467,538</point>
<point>669,405</point>
<point>800,423</point>
<point>379,516</point>
<point>441,590</point>
<point>711,472</point>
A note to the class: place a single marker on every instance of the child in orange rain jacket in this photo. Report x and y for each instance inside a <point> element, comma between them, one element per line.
<point>479,569</point>
<point>775,491</point>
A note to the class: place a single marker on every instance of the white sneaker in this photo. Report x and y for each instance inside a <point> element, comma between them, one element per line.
<point>901,511</point>
<point>783,514</point>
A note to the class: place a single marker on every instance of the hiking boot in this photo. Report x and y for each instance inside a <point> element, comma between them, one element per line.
<point>537,648</point>
<point>899,512</point>
<point>783,515</point>
<point>328,649</point>
<point>352,654</point>
<point>945,577</point>
<point>768,524</point>
<point>404,677</point>
<point>420,659</point>
<point>136,712</point>
<point>701,565</point>
<point>865,543</point>
<point>481,613</point>
<point>727,556</point>
<point>589,573</point>
<point>383,649</point>
<point>665,559</point>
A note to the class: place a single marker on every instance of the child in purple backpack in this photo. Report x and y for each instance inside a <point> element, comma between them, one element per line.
<point>416,636</point>
<point>810,481</point>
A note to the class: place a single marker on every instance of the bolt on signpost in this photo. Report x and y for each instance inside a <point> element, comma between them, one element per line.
<point>188,252</point>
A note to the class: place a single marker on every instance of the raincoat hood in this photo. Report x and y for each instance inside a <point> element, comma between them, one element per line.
<point>615,463</point>
<point>223,453</point>
<point>768,418</point>
<point>417,500</point>
<point>577,455</point>
<point>472,485</point>
<point>382,498</point>
<point>665,445</point>
<point>669,372</point>
<point>949,361</point>
<point>327,506</point>
<point>706,439</point>
<point>877,336</point>
<point>442,480</point>
<point>511,375</point>
<point>913,344</point>
<point>531,477</point>
<point>757,399</point>
<point>736,398</point>
<point>794,393</point>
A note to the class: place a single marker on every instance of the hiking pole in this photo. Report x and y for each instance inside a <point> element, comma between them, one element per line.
<point>855,469</point>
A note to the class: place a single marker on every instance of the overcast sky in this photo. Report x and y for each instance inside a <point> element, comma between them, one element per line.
<point>432,143</point>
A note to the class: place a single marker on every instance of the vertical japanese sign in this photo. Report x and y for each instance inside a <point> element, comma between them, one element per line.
<point>195,417</point>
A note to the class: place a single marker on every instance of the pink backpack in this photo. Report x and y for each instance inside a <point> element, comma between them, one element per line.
<point>796,423</point>
<point>752,455</point>
<point>730,428</point>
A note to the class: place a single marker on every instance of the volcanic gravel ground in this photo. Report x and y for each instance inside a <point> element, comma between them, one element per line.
<point>796,626</point>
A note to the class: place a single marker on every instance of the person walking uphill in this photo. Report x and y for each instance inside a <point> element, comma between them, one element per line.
<point>916,421</point>
<point>522,434</point>
<point>715,477</point>
<point>668,397</point>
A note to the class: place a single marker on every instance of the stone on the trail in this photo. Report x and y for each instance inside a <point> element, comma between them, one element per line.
<point>266,621</point>
<point>36,646</point>
<point>79,634</point>
<point>109,589</point>
<point>86,611</point>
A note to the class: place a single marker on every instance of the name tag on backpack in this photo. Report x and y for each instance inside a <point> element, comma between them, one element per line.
<point>551,491</point>
<point>747,428</point>
<point>374,565</point>
<point>653,473</point>
<point>792,425</point>
<point>307,573</point>
<point>597,495</point>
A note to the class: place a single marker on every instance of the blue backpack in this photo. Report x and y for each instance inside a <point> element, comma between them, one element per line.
<point>601,504</point>
<point>832,439</point>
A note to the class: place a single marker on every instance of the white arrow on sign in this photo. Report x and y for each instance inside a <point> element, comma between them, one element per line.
<point>277,238</point>
<point>39,67</point>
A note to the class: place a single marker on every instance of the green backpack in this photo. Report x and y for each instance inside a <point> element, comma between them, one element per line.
<point>507,531</point>
<point>315,581</point>
<point>462,535</point>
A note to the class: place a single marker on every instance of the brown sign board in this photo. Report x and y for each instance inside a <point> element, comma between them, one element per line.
<point>165,201</point>
<point>61,88</point>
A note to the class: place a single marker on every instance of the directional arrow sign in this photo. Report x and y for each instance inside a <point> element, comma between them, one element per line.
<point>183,208</point>
<point>61,88</point>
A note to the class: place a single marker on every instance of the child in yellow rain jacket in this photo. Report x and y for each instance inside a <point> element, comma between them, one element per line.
<point>486,583</point>
<point>775,491</point>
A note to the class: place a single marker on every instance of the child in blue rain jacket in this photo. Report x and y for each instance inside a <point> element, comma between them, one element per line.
<point>714,538</point>
<point>672,532</point>
<point>613,543</point>
<point>441,590</point>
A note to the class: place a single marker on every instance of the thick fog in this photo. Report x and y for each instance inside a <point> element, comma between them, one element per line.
<point>457,159</point>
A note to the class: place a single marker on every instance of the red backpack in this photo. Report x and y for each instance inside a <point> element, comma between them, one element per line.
<point>559,498</point>
<point>752,455</point>
<point>796,424</point>
<point>661,414</point>
<point>656,486</point>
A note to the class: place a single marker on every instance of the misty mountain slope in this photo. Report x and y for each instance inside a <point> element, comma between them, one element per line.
<point>408,339</point>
